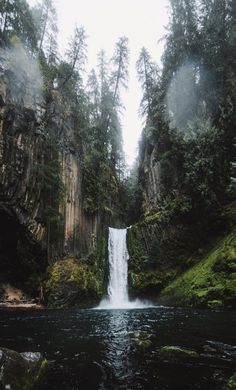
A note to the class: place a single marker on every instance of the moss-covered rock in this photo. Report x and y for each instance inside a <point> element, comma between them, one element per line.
<point>149,282</point>
<point>215,304</point>
<point>232,382</point>
<point>73,283</point>
<point>142,339</point>
<point>173,352</point>
<point>149,268</point>
<point>21,371</point>
<point>209,283</point>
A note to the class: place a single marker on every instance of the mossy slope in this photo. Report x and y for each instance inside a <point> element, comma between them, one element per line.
<point>209,283</point>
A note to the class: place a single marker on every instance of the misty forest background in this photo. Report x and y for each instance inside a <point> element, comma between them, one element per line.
<point>188,106</point>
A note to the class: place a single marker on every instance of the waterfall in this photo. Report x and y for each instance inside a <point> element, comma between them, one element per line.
<point>118,267</point>
<point>118,274</point>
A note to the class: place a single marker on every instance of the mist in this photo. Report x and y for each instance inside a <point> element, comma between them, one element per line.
<point>183,102</point>
<point>26,82</point>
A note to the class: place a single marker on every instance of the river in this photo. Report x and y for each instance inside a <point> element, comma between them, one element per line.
<point>100,349</point>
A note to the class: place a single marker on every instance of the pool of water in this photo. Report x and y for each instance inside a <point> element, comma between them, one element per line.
<point>100,349</point>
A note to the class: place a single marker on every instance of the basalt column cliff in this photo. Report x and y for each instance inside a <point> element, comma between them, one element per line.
<point>41,207</point>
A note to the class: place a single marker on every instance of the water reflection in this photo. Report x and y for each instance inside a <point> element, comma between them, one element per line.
<point>117,347</point>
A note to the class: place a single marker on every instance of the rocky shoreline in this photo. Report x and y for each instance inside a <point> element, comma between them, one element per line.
<point>13,297</point>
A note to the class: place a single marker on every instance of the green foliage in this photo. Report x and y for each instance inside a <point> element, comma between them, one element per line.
<point>149,283</point>
<point>90,116</point>
<point>170,210</point>
<point>131,197</point>
<point>147,275</point>
<point>206,169</point>
<point>102,149</point>
<point>211,282</point>
<point>99,180</point>
<point>190,111</point>
<point>16,20</point>
<point>73,283</point>
<point>138,255</point>
<point>148,76</point>
<point>232,382</point>
<point>49,181</point>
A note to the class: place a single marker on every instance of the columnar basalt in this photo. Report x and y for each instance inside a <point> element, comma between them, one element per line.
<point>27,241</point>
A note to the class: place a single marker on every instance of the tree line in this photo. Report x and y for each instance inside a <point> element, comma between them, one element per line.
<point>89,103</point>
<point>189,103</point>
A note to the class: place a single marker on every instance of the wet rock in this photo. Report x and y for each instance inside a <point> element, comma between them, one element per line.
<point>220,350</point>
<point>232,382</point>
<point>215,304</point>
<point>21,370</point>
<point>142,339</point>
<point>175,352</point>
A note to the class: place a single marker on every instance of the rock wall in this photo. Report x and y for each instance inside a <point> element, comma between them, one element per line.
<point>150,168</point>
<point>81,230</point>
<point>22,155</point>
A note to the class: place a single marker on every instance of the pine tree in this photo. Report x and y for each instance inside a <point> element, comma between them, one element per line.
<point>148,76</point>
<point>16,20</point>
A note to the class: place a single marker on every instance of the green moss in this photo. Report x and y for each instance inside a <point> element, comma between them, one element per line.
<point>34,381</point>
<point>71,282</point>
<point>207,283</point>
<point>168,211</point>
<point>216,303</point>
<point>136,246</point>
<point>232,382</point>
<point>150,281</point>
<point>173,352</point>
<point>152,218</point>
<point>148,273</point>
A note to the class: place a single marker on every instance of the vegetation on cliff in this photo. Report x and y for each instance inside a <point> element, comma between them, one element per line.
<point>211,282</point>
<point>58,121</point>
<point>79,112</point>
<point>185,174</point>
<point>190,111</point>
<point>186,171</point>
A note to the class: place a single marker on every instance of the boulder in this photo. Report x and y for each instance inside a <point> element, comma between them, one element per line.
<point>73,283</point>
<point>21,370</point>
<point>175,352</point>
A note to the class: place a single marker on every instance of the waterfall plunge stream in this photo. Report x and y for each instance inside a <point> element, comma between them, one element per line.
<point>118,274</point>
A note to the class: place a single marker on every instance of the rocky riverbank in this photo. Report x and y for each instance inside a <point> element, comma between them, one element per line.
<point>13,297</point>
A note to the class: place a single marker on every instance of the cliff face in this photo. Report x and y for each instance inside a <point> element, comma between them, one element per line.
<point>151,173</point>
<point>27,242</point>
<point>81,230</point>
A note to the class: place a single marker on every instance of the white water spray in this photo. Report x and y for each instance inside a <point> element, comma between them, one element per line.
<point>118,274</point>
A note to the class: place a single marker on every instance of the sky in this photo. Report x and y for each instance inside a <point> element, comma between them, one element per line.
<point>142,21</point>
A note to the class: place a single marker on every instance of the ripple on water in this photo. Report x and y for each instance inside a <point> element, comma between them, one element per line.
<point>97,350</point>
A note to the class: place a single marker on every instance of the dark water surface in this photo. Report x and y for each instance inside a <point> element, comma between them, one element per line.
<point>98,349</point>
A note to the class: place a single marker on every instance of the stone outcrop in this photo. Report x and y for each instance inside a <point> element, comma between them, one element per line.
<point>74,283</point>
<point>21,370</point>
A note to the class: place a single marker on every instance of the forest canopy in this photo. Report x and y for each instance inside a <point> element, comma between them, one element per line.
<point>189,104</point>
